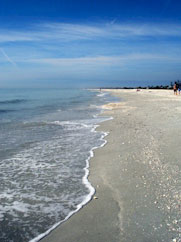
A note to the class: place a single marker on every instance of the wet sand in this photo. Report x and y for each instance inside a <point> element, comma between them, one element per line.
<point>136,174</point>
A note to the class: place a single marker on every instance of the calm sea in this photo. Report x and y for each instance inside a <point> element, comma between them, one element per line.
<point>46,139</point>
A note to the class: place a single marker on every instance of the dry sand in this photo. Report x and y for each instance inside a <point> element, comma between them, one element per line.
<point>136,174</point>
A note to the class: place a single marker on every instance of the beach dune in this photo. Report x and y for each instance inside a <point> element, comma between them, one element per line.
<point>136,174</point>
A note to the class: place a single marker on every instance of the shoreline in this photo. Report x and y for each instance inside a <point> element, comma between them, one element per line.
<point>132,160</point>
<point>85,181</point>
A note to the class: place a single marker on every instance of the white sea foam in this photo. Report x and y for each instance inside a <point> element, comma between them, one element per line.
<point>95,106</point>
<point>20,207</point>
<point>71,125</point>
<point>102,94</point>
<point>85,181</point>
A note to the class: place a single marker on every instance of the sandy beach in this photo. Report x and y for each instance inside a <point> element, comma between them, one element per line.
<point>136,174</point>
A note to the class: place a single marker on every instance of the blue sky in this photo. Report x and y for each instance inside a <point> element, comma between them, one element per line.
<point>89,43</point>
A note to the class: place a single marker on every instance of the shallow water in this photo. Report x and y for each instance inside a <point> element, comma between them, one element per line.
<point>45,142</point>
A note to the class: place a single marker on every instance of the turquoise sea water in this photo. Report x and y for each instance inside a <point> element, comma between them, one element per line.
<point>46,138</point>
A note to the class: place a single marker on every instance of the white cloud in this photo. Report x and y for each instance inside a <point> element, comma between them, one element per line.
<point>72,32</point>
<point>15,36</point>
<point>110,30</point>
<point>103,60</point>
<point>47,50</point>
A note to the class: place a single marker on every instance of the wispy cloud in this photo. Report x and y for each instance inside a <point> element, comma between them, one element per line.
<point>108,30</point>
<point>72,32</point>
<point>16,36</point>
<point>104,60</point>
<point>109,50</point>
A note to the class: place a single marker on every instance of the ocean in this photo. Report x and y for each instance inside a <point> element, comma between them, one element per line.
<point>47,137</point>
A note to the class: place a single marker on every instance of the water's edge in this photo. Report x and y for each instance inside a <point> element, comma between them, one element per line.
<point>85,181</point>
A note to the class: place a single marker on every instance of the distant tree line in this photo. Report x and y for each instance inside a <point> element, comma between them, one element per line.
<point>147,87</point>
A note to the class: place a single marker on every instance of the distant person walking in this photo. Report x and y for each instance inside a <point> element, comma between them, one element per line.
<point>175,87</point>
<point>179,88</point>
